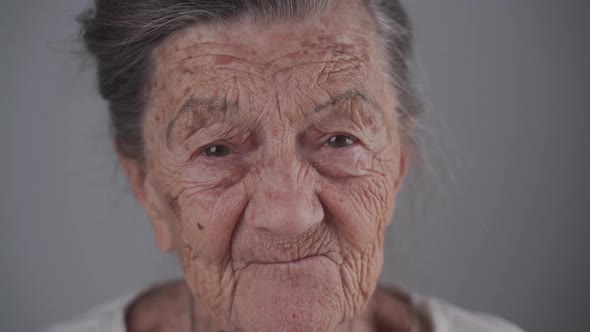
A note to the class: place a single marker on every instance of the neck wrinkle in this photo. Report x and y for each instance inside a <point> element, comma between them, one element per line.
<point>389,310</point>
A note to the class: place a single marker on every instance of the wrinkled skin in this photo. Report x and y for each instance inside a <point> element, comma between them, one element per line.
<point>273,158</point>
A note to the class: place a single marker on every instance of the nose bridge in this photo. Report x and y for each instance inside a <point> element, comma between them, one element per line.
<point>284,198</point>
<point>284,171</point>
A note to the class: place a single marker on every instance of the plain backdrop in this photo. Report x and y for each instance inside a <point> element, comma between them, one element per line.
<point>498,222</point>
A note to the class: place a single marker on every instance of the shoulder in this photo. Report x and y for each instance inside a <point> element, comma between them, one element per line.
<point>446,317</point>
<point>138,311</point>
<point>108,317</point>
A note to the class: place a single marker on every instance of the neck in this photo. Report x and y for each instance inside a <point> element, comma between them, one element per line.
<point>171,307</point>
<point>387,311</point>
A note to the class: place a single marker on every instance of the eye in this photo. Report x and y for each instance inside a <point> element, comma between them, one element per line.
<point>217,151</point>
<point>340,141</point>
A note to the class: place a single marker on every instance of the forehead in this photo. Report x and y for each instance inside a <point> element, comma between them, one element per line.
<point>346,24</point>
<point>301,61</point>
<point>338,35</point>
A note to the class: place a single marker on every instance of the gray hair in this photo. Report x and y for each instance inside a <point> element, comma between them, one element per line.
<point>122,34</point>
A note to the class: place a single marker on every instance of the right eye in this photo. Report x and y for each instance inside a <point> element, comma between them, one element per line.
<point>217,151</point>
<point>340,141</point>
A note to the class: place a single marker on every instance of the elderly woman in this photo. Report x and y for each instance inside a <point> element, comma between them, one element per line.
<point>266,141</point>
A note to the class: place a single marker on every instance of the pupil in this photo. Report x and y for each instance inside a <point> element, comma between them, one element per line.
<point>217,151</point>
<point>339,141</point>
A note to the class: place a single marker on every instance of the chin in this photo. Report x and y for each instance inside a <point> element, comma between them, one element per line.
<point>302,296</point>
<point>296,319</point>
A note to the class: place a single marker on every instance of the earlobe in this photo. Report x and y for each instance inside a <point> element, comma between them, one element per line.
<point>159,218</point>
<point>147,197</point>
<point>164,238</point>
<point>405,140</point>
<point>135,177</point>
<point>403,168</point>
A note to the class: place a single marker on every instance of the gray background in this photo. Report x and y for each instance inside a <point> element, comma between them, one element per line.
<point>500,226</point>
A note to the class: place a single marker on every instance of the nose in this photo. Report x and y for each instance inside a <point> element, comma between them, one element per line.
<point>284,201</point>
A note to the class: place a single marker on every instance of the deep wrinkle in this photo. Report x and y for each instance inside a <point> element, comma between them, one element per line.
<point>282,194</point>
<point>197,113</point>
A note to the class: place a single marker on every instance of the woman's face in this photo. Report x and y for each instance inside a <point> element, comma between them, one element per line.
<point>273,158</point>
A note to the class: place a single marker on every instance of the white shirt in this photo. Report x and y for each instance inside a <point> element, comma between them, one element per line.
<point>444,317</point>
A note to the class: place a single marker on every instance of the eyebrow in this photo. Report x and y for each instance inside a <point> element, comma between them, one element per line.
<point>198,111</point>
<point>347,96</point>
<point>201,110</point>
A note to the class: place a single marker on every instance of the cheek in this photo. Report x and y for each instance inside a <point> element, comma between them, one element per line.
<point>362,206</point>
<point>347,162</point>
<point>206,219</point>
<point>359,209</point>
<point>213,178</point>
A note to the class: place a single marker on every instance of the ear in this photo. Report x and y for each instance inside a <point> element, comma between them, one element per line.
<point>403,167</point>
<point>404,161</point>
<point>149,199</point>
<point>405,141</point>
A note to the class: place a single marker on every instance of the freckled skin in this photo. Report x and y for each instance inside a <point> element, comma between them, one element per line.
<point>239,222</point>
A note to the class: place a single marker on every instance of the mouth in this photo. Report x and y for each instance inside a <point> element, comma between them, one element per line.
<point>298,272</point>
<point>298,260</point>
<point>291,262</point>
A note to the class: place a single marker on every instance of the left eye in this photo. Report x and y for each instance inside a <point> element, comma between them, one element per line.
<point>340,141</point>
<point>217,151</point>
